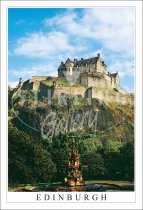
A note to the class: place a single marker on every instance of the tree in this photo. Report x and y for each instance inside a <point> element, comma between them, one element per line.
<point>28,161</point>
<point>95,166</point>
<point>61,145</point>
<point>127,155</point>
<point>43,168</point>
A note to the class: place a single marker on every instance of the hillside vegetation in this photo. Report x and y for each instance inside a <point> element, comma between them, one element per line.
<point>104,138</point>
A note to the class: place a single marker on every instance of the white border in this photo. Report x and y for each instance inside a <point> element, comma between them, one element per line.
<point>138,118</point>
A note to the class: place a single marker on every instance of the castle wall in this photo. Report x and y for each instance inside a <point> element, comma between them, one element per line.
<point>50,91</point>
<point>36,85</point>
<point>84,79</point>
<point>39,78</point>
<point>97,82</point>
<point>100,67</point>
<point>45,91</point>
<point>117,80</point>
<point>100,91</point>
<point>69,90</point>
<point>103,82</point>
<point>107,97</point>
<point>93,66</point>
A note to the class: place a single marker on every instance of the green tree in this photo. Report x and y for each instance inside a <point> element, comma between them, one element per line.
<point>127,155</point>
<point>113,146</point>
<point>60,147</point>
<point>95,165</point>
<point>28,160</point>
<point>43,167</point>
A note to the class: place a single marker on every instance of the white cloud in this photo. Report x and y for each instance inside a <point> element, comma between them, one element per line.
<point>13,84</point>
<point>94,54</point>
<point>113,27</point>
<point>43,45</point>
<point>74,34</point>
<point>125,68</point>
<point>28,72</point>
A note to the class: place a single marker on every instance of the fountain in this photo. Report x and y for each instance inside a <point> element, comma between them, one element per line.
<point>74,175</point>
<point>74,180</point>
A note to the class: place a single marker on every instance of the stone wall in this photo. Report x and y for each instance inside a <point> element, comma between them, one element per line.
<point>100,67</point>
<point>98,82</point>
<point>50,91</point>
<point>46,91</point>
<point>83,80</point>
<point>99,89</point>
<point>39,78</point>
<point>36,85</point>
<point>69,90</point>
<point>107,97</point>
<point>105,82</point>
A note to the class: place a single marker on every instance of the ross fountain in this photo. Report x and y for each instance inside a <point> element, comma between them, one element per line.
<point>74,180</point>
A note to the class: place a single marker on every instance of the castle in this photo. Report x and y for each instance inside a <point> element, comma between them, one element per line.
<point>85,77</point>
<point>89,72</point>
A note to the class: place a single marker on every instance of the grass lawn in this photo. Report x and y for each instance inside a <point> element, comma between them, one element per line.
<point>61,82</point>
<point>119,183</point>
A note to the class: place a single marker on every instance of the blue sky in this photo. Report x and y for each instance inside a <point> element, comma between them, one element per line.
<point>39,39</point>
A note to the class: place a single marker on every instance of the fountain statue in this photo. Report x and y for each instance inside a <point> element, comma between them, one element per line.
<point>74,181</point>
<point>74,177</point>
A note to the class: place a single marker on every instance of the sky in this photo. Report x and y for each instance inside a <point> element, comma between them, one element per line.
<point>40,38</point>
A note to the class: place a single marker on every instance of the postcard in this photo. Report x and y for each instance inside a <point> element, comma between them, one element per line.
<point>71,115</point>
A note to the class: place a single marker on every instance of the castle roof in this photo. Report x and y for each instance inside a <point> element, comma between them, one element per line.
<point>85,61</point>
<point>81,62</point>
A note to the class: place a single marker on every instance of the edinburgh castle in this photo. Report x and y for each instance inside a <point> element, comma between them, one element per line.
<point>86,77</point>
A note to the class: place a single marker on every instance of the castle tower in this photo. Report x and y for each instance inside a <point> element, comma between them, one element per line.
<point>100,66</point>
<point>66,69</point>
